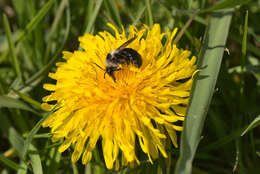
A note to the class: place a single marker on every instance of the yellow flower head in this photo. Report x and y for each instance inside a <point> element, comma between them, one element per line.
<point>143,104</point>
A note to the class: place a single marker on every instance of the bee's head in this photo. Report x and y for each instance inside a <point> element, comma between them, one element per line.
<point>110,72</point>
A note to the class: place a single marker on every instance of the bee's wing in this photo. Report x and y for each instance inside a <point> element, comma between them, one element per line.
<point>126,43</point>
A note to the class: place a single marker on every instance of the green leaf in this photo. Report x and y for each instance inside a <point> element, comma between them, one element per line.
<point>203,88</point>
<point>8,102</point>
<point>252,125</point>
<point>12,49</point>
<point>9,163</point>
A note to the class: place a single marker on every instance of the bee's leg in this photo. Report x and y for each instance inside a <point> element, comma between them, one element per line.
<point>111,74</point>
<point>113,77</point>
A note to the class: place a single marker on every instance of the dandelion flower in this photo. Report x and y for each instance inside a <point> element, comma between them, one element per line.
<point>141,107</point>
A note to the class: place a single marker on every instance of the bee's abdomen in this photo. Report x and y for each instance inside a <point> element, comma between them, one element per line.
<point>129,55</point>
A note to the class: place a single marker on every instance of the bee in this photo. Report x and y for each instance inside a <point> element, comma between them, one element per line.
<point>122,55</point>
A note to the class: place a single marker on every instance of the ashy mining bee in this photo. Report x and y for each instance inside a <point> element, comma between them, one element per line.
<point>121,55</point>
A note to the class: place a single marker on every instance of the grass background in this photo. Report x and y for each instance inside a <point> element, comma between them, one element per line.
<point>224,35</point>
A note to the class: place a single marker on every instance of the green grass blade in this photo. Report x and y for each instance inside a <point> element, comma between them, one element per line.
<point>19,7</point>
<point>203,89</point>
<point>74,168</point>
<point>239,163</point>
<point>140,13</point>
<point>53,162</point>
<point>115,12</point>
<point>244,41</point>
<point>149,12</point>
<point>23,168</point>
<point>28,99</point>
<point>250,47</point>
<point>93,16</point>
<point>190,3</point>
<point>35,159</point>
<point>90,7</point>
<point>43,135</point>
<point>226,4</point>
<point>37,77</point>
<point>13,136</point>
<point>3,56</point>
<point>8,102</point>
<point>31,8</point>
<point>184,28</point>
<point>54,27</point>
<point>34,130</point>
<point>253,124</point>
<point>243,61</point>
<point>222,141</point>
<point>12,48</point>
<point>14,139</point>
<point>35,21</point>
<point>88,169</point>
<point>9,163</point>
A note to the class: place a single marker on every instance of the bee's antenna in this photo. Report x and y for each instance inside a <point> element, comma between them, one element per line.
<point>99,66</point>
<point>126,43</point>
